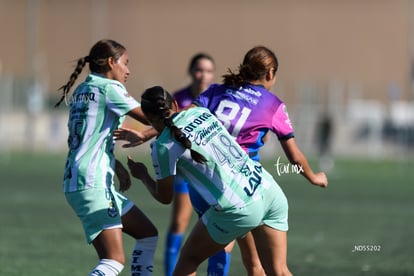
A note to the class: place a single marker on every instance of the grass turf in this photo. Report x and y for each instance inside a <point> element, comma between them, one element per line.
<point>368,203</point>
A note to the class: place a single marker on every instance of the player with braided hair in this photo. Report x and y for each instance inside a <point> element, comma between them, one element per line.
<point>180,137</point>
<point>97,107</point>
<point>163,105</point>
<point>242,196</point>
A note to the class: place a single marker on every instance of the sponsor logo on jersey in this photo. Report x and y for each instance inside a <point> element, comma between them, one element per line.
<point>201,135</point>
<point>83,98</point>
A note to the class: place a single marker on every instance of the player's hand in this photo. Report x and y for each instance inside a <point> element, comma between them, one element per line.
<point>320,180</point>
<point>133,137</point>
<point>123,176</point>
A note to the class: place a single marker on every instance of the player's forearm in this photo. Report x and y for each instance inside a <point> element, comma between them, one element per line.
<point>151,186</point>
<point>296,157</point>
<point>305,168</point>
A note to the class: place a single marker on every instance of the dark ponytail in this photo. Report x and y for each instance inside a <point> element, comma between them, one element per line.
<point>66,88</point>
<point>256,63</point>
<point>157,102</point>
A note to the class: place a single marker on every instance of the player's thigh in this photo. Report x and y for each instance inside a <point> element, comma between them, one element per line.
<point>229,247</point>
<point>248,250</point>
<point>271,245</point>
<point>199,245</point>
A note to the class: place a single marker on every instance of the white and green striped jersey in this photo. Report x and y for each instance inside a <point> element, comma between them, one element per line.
<point>97,107</point>
<point>228,179</point>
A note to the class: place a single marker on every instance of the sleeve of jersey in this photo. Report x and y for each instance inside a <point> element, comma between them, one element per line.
<point>118,99</point>
<point>164,158</point>
<point>281,123</point>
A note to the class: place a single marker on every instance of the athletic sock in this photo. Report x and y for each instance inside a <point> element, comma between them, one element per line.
<point>219,264</point>
<point>172,249</point>
<point>107,267</point>
<point>142,261</point>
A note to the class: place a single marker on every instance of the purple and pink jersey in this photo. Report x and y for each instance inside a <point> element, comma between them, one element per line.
<point>183,97</point>
<point>248,113</point>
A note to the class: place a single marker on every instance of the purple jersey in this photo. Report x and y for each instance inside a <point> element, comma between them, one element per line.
<point>184,97</point>
<point>248,113</point>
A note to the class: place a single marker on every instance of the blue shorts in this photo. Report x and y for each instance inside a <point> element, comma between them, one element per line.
<point>98,209</point>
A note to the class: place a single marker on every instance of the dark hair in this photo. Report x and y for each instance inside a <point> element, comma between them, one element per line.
<point>196,58</point>
<point>157,102</point>
<point>98,62</point>
<point>256,63</point>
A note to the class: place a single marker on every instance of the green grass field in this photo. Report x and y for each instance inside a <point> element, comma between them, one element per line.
<point>368,206</point>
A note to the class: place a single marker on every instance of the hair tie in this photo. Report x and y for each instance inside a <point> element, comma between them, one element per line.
<point>87,59</point>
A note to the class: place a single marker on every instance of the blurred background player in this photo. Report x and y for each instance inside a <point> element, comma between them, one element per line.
<point>201,70</point>
<point>324,133</point>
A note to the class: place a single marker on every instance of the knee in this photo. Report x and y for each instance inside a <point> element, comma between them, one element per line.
<point>256,270</point>
<point>253,267</point>
<point>284,271</point>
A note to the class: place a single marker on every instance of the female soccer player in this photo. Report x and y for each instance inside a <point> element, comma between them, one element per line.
<point>248,110</point>
<point>242,196</point>
<point>97,107</point>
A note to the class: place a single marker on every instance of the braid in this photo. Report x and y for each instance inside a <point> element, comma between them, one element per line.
<point>158,102</point>
<point>177,133</point>
<point>66,88</point>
